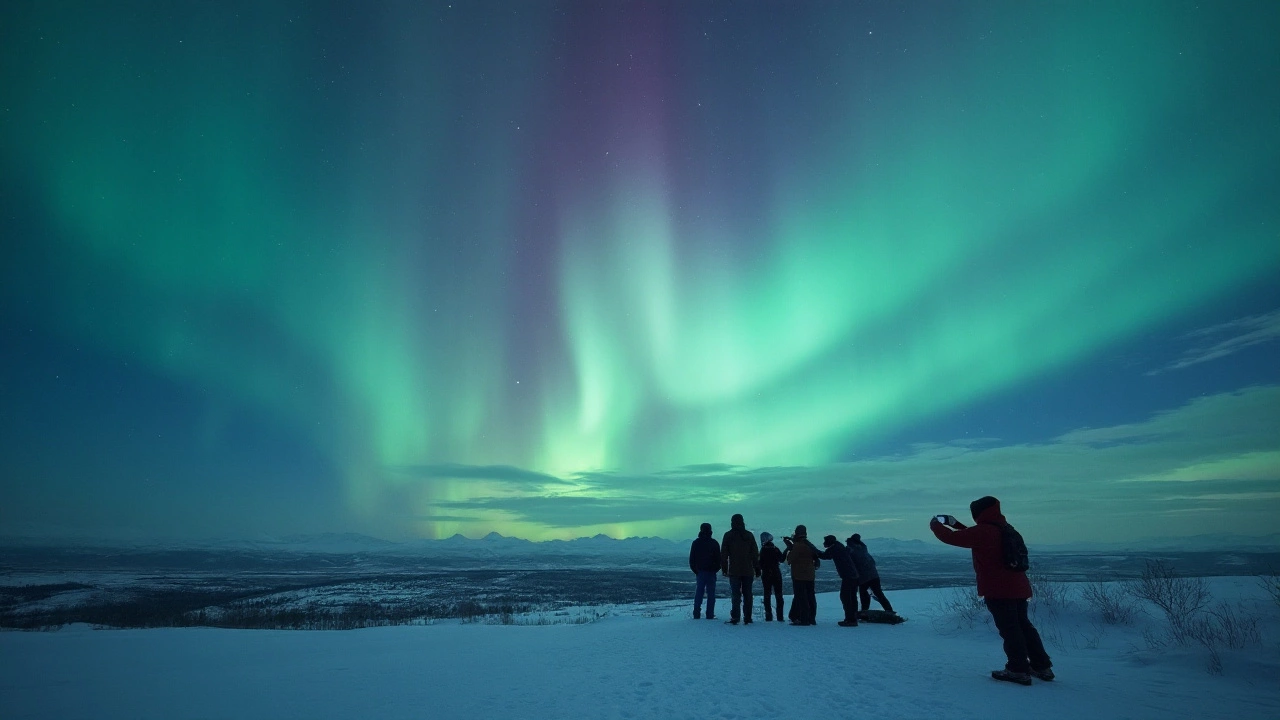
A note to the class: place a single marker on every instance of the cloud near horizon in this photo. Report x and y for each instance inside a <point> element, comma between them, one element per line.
<point>1078,484</point>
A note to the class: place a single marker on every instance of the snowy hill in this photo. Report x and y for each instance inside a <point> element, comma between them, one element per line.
<point>640,661</point>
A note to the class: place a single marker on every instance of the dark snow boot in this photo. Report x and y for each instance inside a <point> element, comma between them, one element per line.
<point>1013,677</point>
<point>1045,674</point>
<point>848,623</point>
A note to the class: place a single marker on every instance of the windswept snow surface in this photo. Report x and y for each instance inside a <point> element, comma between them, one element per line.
<point>642,661</point>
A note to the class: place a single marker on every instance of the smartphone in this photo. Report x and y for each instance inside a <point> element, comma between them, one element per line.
<point>941,518</point>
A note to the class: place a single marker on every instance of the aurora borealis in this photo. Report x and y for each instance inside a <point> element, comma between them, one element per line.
<point>554,269</point>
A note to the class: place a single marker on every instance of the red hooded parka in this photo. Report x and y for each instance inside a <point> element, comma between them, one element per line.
<point>995,581</point>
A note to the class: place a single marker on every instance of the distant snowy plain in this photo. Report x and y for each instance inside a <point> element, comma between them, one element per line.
<point>643,661</point>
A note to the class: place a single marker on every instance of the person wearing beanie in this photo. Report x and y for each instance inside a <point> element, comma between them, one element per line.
<point>770,575</point>
<point>868,575</point>
<point>837,554</point>
<point>740,562</point>
<point>802,556</point>
<point>1006,591</point>
<point>704,561</point>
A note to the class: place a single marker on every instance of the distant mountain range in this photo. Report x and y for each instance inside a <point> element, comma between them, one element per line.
<point>495,544</point>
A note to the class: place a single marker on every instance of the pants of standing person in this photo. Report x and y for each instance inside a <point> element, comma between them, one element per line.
<point>813,603</point>
<point>873,585</point>
<point>706,585</point>
<point>1022,644</point>
<point>772,584</point>
<point>849,599</point>
<point>803,602</point>
<point>740,586</point>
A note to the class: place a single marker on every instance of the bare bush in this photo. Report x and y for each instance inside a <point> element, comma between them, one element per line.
<point>1181,598</point>
<point>1110,601</point>
<point>1270,582</point>
<point>1235,627</point>
<point>1203,630</point>
<point>1047,593</point>
<point>958,608</point>
<point>1225,626</point>
<point>1155,639</point>
<point>1093,639</point>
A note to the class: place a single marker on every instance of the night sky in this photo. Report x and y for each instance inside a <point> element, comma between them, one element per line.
<point>555,269</point>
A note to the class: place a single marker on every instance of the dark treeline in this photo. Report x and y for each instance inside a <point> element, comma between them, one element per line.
<point>336,603</point>
<point>15,594</point>
<point>195,609</point>
<point>223,597</point>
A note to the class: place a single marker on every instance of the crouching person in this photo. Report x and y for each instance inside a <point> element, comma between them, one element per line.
<point>868,575</point>
<point>837,554</point>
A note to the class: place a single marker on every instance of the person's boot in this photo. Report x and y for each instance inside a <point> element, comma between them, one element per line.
<point>1013,677</point>
<point>746,620</point>
<point>697,614</point>
<point>1045,674</point>
<point>848,623</point>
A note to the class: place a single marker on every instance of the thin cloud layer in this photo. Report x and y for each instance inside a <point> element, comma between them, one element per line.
<point>1227,446</point>
<point>497,473</point>
<point>1219,341</point>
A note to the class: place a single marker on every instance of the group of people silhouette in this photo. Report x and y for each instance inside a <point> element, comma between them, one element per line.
<point>741,560</point>
<point>1000,565</point>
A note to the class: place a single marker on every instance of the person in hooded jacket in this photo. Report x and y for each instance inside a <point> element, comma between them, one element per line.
<point>1006,591</point>
<point>837,554</point>
<point>740,562</point>
<point>802,556</point>
<point>704,561</point>
<point>868,575</point>
<point>770,575</point>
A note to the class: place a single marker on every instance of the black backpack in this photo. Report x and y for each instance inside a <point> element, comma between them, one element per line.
<point>1014,549</point>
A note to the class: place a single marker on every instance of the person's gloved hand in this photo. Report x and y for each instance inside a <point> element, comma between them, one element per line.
<point>950,520</point>
<point>788,541</point>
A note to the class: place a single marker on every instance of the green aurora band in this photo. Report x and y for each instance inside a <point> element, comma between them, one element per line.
<point>334,226</point>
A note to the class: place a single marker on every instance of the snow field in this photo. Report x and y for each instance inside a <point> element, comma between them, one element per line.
<point>640,661</point>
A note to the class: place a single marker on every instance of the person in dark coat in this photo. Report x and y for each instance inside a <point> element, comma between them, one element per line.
<point>802,556</point>
<point>837,554</point>
<point>1006,591</point>
<point>770,575</point>
<point>740,562</point>
<point>704,561</point>
<point>868,575</point>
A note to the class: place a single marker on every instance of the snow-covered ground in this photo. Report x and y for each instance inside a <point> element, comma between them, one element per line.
<point>640,661</point>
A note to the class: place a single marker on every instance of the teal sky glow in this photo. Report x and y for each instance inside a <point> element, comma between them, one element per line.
<point>559,269</point>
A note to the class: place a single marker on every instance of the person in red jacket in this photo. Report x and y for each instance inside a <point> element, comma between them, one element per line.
<point>1006,591</point>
